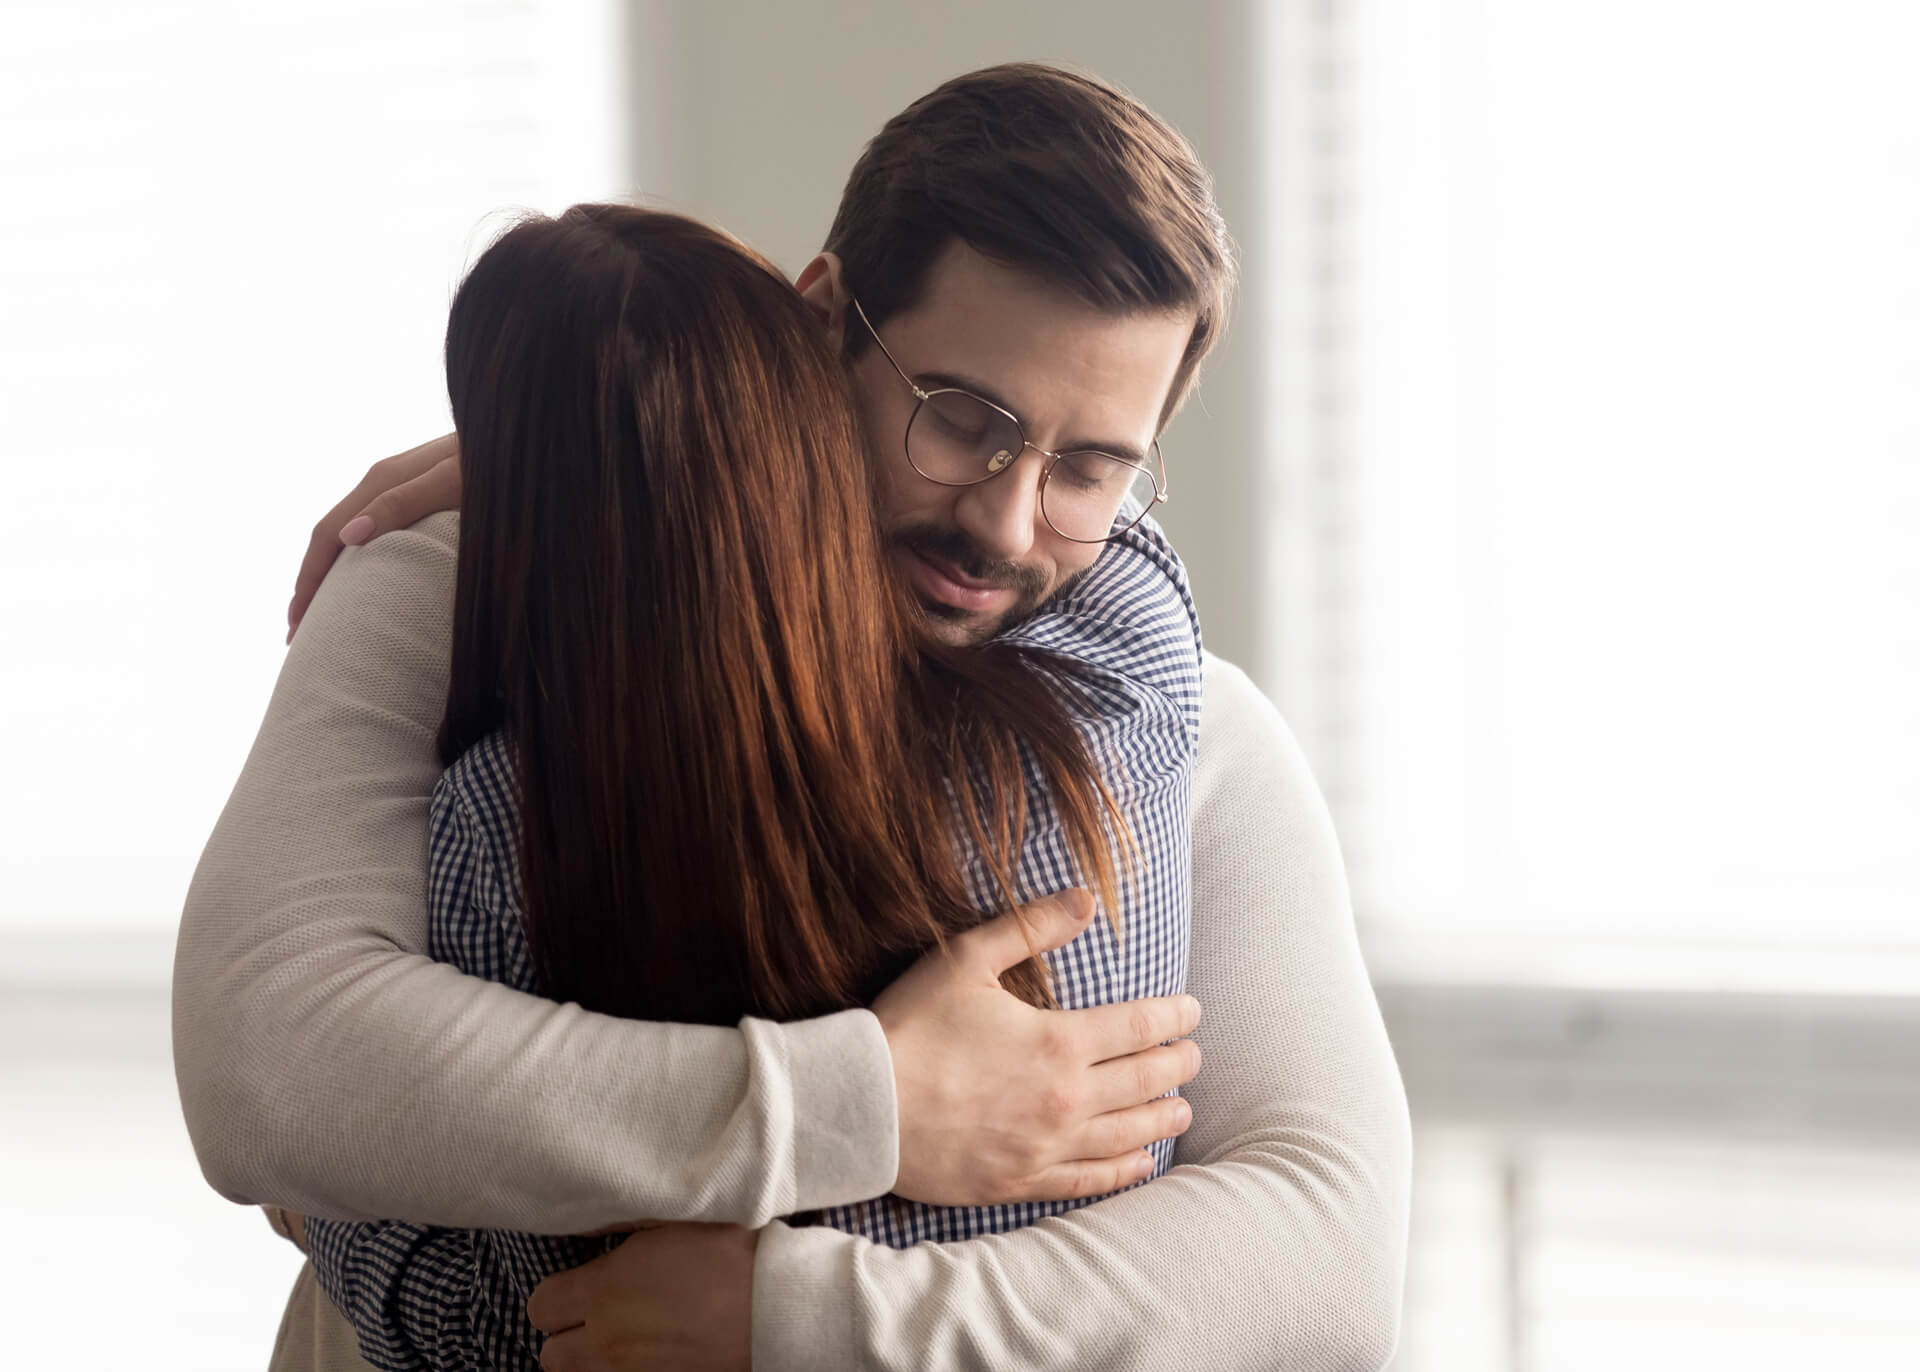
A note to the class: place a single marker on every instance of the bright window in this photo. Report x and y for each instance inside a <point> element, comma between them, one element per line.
<point>226,299</point>
<point>1610,468</point>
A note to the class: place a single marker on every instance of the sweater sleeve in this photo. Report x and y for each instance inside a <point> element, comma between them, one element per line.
<point>327,1065</point>
<point>1279,1241</point>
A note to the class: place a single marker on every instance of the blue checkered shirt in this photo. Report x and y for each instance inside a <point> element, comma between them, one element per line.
<point>428,1297</point>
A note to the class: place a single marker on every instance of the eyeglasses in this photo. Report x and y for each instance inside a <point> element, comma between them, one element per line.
<point>956,438</point>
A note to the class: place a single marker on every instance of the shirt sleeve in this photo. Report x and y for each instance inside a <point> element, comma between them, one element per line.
<point>327,1065</point>
<point>407,1290</point>
<point>1130,629</point>
<point>1126,641</point>
<point>1280,1240</point>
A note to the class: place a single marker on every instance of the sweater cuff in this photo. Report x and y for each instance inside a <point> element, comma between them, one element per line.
<point>846,1127</point>
<point>803,1300</point>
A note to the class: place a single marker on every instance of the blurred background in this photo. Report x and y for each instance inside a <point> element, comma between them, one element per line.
<point>1560,480</point>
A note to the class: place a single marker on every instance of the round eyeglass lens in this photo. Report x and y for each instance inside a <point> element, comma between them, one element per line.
<point>958,439</point>
<point>1091,496</point>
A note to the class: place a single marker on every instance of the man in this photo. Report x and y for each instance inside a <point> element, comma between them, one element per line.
<point>1038,240</point>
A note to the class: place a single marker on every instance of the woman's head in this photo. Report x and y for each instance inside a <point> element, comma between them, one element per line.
<point>650,421</point>
<point>671,593</point>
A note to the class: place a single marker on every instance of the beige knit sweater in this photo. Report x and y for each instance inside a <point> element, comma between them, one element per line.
<point>326,1065</point>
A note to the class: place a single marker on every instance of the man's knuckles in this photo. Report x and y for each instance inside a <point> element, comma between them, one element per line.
<point>1057,1047</point>
<point>1058,1107</point>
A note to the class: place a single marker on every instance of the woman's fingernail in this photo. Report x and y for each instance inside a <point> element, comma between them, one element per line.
<point>1143,1168</point>
<point>359,529</point>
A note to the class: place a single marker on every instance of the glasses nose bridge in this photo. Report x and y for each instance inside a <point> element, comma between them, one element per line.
<point>998,468</point>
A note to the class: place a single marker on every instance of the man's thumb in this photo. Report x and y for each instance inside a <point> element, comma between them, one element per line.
<point>1047,923</point>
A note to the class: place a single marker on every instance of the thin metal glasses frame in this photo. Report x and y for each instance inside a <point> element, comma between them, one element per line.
<point>921,396</point>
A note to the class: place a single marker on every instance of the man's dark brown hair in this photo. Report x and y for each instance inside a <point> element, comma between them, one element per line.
<point>1048,171</point>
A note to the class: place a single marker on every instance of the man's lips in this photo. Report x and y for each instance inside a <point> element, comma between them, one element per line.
<point>938,579</point>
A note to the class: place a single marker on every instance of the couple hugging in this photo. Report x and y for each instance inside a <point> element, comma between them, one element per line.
<point>727,897</point>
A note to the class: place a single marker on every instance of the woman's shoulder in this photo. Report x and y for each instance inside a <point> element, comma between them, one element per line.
<point>1131,622</point>
<point>474,893</point>
<point>479,794</point>
<point>1138,580</point>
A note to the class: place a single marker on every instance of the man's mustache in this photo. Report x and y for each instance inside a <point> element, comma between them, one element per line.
<point>955,548</point>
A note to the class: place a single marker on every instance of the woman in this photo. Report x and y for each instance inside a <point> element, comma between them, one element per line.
<point>702,759</point>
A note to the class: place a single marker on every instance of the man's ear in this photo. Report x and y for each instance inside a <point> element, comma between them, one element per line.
<point>822,287</point>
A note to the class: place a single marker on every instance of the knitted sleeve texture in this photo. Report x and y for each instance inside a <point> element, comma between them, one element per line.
<point>326,1064</point>
<point>1279,1238</point>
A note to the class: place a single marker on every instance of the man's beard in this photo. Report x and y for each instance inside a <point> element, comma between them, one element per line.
<point>950,545</point>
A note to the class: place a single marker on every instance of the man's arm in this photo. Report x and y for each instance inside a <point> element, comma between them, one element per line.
<point>1281,1244</point>
<point>326,1065</point>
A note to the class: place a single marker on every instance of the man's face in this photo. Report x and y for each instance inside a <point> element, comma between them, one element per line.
<point>979,558</point>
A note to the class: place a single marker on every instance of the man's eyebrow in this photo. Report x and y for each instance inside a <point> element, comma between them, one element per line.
<point>954,381</point>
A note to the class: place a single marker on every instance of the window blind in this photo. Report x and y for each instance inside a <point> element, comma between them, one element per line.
<point>1600,605</point>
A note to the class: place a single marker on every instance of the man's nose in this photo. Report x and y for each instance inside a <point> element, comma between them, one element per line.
<point>1002,515</point>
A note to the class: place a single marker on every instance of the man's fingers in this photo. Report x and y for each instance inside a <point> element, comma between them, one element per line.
<point>1114,1031</point>
<point>1136,1126</point>
<point>1050,922</point>
<point>1088,1177</point>
<point>1120,1083</point>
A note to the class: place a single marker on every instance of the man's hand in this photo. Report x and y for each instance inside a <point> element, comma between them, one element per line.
<point>1003,1102</point>
<point>678,1295</point>
<point>395,492</point>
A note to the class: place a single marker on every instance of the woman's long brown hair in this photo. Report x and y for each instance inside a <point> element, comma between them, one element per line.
<point>741,761</point>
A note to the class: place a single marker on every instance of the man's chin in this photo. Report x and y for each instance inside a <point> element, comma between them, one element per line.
<point>958,628</point>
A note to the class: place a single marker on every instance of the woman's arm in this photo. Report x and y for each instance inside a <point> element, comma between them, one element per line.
<point>430,1322</point>
<point>1282,1245</point>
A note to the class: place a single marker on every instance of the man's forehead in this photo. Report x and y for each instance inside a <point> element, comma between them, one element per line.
<point>1042,353</point>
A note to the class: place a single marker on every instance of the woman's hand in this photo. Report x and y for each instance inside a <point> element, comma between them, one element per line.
<point>673,1295</point>
<point>396,491</point>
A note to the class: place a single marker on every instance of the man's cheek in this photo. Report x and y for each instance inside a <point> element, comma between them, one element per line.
<point>905,504</point>
<point>888,496</point>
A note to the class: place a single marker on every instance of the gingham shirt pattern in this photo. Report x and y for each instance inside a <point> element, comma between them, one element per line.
<point>425,1297</point>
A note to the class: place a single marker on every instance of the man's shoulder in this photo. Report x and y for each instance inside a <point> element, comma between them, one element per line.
<point>1237,720</point>
<point>1245,744</point>
<point>433,541</point>
<point>404,578</point>
<point>442,528</point>
<point>1229,697</point>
